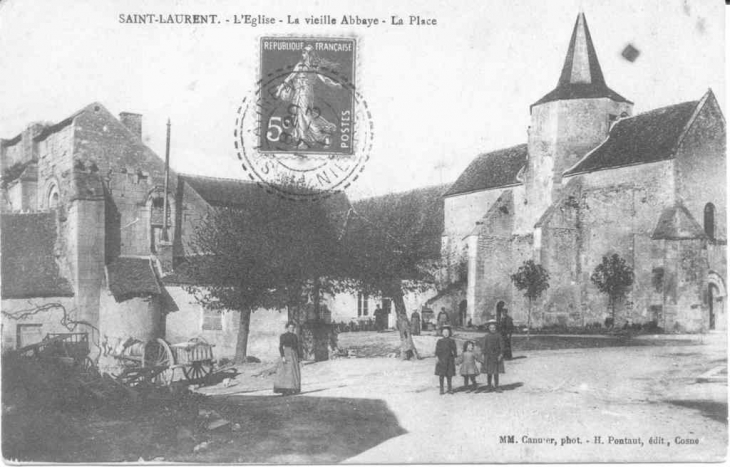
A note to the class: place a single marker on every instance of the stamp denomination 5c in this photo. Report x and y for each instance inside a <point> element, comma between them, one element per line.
<point>306,125</point>
<point>309,103</point>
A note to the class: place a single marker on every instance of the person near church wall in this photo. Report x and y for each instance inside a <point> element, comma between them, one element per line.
<point>506,328</point>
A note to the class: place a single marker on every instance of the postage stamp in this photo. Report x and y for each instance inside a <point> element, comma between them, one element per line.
<point>308,105</point>
<point>305,131</point>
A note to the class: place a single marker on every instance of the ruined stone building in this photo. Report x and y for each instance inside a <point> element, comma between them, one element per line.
<point>82,236</point>
<point>592,180</point>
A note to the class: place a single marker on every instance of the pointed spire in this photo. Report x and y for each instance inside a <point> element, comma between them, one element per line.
<point>581,77</point>
<point>581,62</point>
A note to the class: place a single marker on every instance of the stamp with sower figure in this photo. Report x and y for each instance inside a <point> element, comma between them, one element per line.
<point>306,131</point>
<point>307,108</point>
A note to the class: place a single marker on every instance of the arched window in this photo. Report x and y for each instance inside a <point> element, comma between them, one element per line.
<point>53,197</point>
<point>710,220</point>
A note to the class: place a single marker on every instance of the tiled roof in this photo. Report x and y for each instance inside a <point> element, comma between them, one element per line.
<point>581,77</point>
<point>132,277</point>
<point>491,170</point>
<point>29,267</point>
<point>676,223</point>
<point>416,216</point>
<point>647,137</point>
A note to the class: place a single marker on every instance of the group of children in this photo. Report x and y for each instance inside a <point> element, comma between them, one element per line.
<point>491,358</point>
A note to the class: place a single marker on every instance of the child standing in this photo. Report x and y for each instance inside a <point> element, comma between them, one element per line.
<point>468,369</point>
<point>445,358</point>
<point>493,349</point>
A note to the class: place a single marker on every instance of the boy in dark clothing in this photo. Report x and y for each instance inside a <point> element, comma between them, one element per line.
<point>445,358</point>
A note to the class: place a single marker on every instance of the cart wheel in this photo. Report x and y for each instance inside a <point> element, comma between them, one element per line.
<point>198,371</point>
<point>158,353</point>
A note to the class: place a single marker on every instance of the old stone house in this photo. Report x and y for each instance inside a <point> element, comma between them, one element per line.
<point>592,180</point>
<point>82,238</point>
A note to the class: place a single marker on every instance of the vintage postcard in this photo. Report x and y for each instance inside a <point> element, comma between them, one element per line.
<point>259,232</point>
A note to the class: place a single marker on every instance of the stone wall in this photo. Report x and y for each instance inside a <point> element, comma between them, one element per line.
<point>619,210</point>
<point>138,317</point>
<point>494,260</point>
<point>701,168</point>
<point>47,321</point>
<point>560,134</point>
<point>265,328</point>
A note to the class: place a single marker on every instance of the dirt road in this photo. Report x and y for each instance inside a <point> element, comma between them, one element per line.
<point>642,402</point>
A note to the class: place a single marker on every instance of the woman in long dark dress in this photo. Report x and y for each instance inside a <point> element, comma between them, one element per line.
<point>288,376</point>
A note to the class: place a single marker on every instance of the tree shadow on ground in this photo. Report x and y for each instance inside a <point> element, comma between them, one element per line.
<point>714,410</point>
<point>268,429</point>
<point>294,429</point>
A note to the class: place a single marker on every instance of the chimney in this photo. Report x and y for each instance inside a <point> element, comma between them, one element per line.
<point>133,122</point>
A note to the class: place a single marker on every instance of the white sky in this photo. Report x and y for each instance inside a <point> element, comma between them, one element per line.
<point>439,95</point>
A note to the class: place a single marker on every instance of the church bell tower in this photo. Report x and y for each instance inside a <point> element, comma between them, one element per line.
<point>569,121</point>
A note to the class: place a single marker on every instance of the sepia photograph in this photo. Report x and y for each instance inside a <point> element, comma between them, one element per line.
<point>421,232</point>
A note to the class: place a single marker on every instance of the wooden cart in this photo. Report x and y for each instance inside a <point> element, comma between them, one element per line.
<point>155,361</point>
<point>69,348</point>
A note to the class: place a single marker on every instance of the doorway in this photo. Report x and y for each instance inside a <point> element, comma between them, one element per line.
<point>462,313</point>
<point>712,292</point>
<point>387,305</point>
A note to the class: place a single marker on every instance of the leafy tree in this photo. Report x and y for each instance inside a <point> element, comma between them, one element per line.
<point>389,254</point>
<point>614,278</point>
<point>271,253</point>
<point>533,280</point>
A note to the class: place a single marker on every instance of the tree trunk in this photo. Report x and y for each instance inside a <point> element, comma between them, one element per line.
<point>316,298</point>
<point>529,318</point>
<point>612,303</point>
<point>242,339</point>
<point>407,347</point>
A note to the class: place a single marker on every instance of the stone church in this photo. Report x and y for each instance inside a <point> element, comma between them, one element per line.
<point>592,180</point>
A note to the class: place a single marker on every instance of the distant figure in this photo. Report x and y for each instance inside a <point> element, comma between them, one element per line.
<point>378,313</point>
<point>415,324</point>
<point>445,359</point>
<point>468,369</point>
<point>288,376</point>
<point>506,328</point>
<point>442,319</point>
<point>493,349</point>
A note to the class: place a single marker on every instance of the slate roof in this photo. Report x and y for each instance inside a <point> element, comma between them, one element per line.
<point>132,277</point>
<point>646,137</point>
<point>29,267</point>
<point>491,170</point>
<point>416,215</point>
<point>224,192</point>
<point>581,77</point>
<point>676,223</point>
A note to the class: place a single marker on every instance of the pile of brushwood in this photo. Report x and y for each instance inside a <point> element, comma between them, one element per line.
<point>48,407</point>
